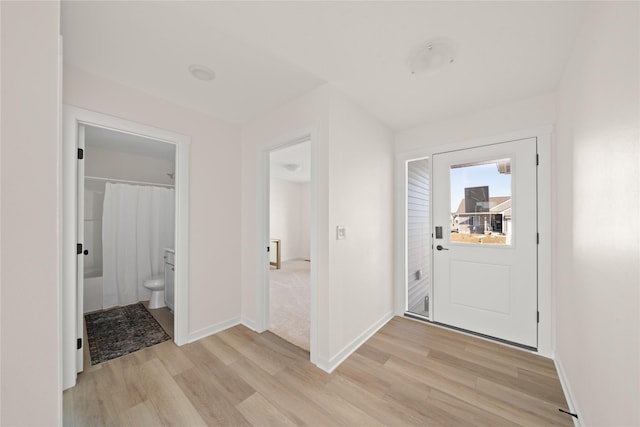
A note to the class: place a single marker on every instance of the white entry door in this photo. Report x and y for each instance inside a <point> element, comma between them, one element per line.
<point>485,240</point>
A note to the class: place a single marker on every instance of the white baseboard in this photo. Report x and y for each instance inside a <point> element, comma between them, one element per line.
<point>213,329</point>
<point>331,364</point>
<point>250,323</point>
<point>568,394</point>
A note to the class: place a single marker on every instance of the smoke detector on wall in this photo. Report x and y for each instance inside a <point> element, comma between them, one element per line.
<point>431,56</point>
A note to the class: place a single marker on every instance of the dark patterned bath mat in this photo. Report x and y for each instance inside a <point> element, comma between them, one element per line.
<point>122,330</point>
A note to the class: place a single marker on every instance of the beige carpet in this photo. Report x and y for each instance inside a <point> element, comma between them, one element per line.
<point>290,302</point>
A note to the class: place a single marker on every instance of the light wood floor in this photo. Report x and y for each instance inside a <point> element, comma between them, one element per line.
<point>408,373</point>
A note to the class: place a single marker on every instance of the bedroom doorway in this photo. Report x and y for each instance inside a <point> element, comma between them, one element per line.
<point>290,243</point>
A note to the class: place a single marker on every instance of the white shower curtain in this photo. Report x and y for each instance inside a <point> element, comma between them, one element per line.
<point>137,224</point>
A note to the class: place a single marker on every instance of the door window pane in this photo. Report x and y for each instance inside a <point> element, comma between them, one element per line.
<point>418,237</point>
<point>481,202</point>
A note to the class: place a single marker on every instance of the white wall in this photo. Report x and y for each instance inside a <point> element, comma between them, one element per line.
<point>361,199</point>
<point>214,194</point>
<point>308,112</point>
<point>596,216</point>
<point>290,218</point>
<point>521,115</point>
<point>352,165</point>
<point>30,357</point>
<point>121,165</point>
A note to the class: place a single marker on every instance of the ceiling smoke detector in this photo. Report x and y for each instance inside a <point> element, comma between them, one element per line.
<point>432,56</point>
<point>201,72</point>
<point>292,167</point>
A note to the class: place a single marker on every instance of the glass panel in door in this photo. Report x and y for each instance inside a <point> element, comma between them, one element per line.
<point>418,238</point>
<point>481,202</point>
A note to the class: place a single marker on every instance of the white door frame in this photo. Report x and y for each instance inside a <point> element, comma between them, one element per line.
<point>543,136</point>
<point>73,116</point>
<point>264,239</point>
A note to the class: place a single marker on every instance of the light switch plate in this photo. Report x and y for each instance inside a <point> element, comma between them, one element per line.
<point>341,232</point>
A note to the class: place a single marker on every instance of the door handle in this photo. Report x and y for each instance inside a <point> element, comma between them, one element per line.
<point>441,248</point>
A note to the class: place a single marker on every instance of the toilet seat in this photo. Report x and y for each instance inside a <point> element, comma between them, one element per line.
<point>155,283</point>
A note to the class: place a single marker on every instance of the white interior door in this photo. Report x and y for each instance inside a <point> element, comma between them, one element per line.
<point>485,240</point>
<point>80,262</point>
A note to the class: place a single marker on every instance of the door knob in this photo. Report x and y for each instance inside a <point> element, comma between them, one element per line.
<point>441,248</point>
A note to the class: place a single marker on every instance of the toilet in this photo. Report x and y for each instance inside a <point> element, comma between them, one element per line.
<point>156,285</point>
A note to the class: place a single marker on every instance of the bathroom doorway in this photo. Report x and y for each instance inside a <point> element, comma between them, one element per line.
<point>127,226</point>
<point>125,150</point>
<point>290,243</point>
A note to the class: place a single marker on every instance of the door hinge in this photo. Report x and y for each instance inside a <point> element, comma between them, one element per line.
<point>268,249</point>
<point>538,238</point>
<point>80,154</point>
<point>538,317</point>
<point>79,344</point>
<point>537,159</point>
<point>78,248</point>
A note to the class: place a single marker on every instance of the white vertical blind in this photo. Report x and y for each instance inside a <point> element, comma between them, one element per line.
<point>418,236</point>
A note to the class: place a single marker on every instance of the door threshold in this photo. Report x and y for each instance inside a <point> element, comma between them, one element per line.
<point>468,332</point>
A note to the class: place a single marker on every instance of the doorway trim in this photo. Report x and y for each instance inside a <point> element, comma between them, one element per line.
<point>72,117</point>
<point>264,239</point>
<point>545,303</point>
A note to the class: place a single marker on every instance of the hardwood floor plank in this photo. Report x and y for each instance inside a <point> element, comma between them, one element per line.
<point>540,408</point>
<point>142,414</point>
<point>294,404</point>
<point>371,352</point>
<point>386,412</point>
<point>367,374</point>
<point>171,404</point>
<point>259,412</point>
<point>415,399</point>
<point>400,348</point>
<point>408,373</point>
<point>468,394</point>
<point>211,404</point>
<point>220,349</point>
<point>172,357</point>
<point>225,381</point>
<point>87,411</point>
<point>429,376</point>
<point>247,346</point>
<point>342,411</point>
<point>512,356</point>
<point>466,411</point>
<point>551,389</point>
<point>494,365</point>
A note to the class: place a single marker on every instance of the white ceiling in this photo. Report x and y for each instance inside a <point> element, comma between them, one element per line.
<point>265,53</point>
<point>299,154</point>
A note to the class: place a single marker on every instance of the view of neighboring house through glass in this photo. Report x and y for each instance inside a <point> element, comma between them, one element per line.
<point>481,202</point>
